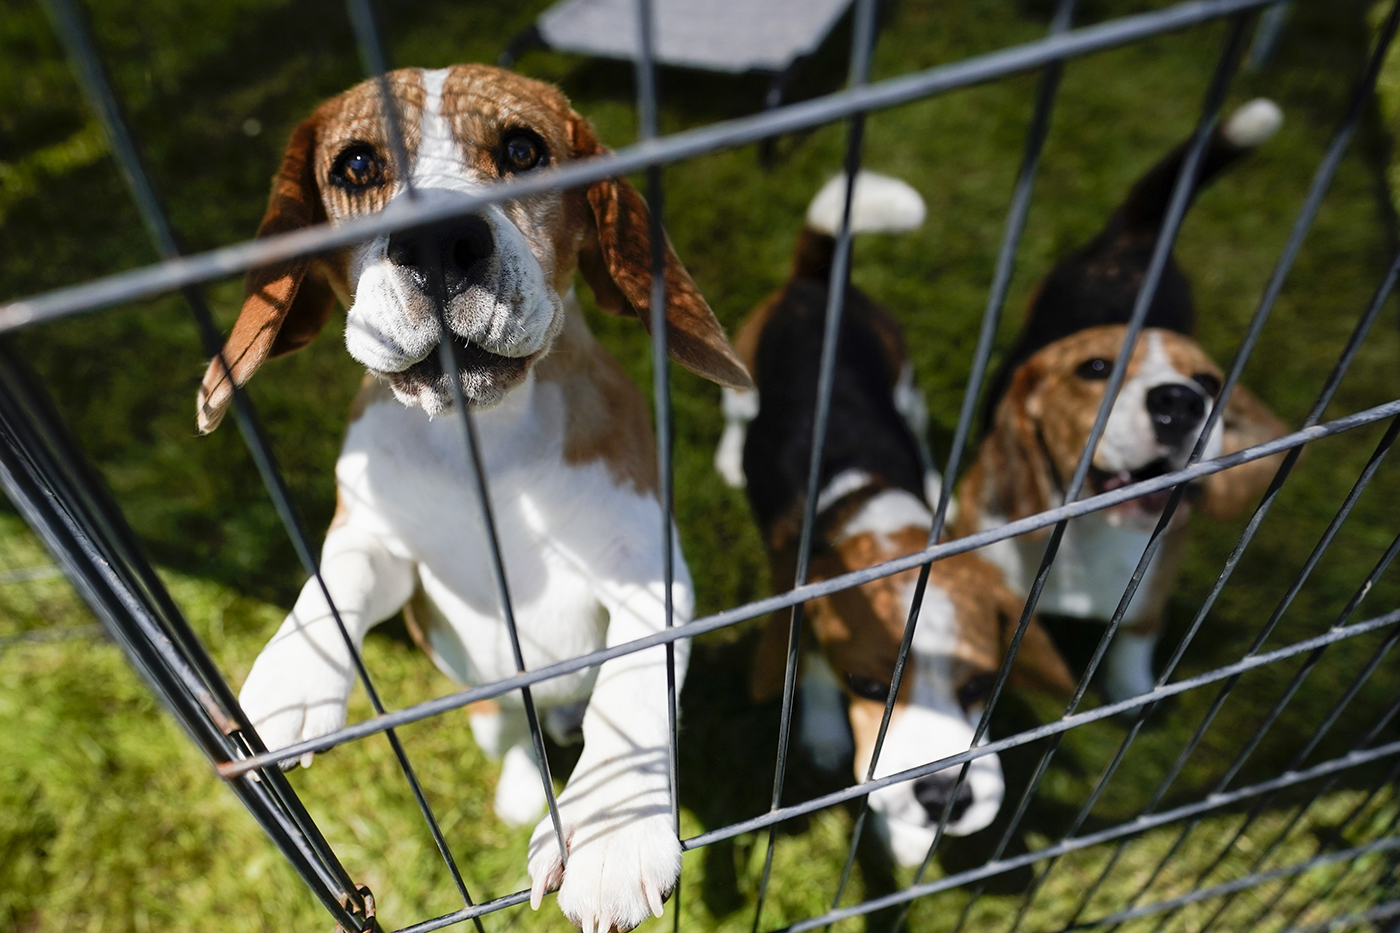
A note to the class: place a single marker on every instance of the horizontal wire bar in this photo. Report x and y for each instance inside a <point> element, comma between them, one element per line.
<point>1387,844</point>
<point>1133,827</point>
<point>174,273</point>
<point>1380,912</point>
<point>757,608</point>
<point>989,869</point>
<point>468,913</point>
<point>1049,729</point>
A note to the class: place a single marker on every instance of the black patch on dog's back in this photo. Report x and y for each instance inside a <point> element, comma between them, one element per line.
<point>865,432</point>
<point>1098,283</point>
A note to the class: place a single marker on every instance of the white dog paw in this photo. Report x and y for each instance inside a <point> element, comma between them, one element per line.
<point>289,700</point>
<point>519,792</point>
<point>620,870</point>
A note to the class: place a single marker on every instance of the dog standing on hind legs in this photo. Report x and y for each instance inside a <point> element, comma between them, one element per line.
<point>1043,402</point>
<point>565,441</point>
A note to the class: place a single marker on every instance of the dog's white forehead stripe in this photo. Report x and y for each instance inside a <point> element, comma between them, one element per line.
<point>1157,366</point>
<point>936,633</point>
<point>439,163</point>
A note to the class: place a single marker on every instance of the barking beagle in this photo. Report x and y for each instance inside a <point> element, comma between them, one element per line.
<point>1044,404</point>
<point>565,439</point>
<point>870,509</point>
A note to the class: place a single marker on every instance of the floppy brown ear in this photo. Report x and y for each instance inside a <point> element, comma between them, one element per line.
<point>1020,471</point>
<point>616,263</point>
<point>1247,422</point>
<point>285,305</point>
<point>1038,665</point>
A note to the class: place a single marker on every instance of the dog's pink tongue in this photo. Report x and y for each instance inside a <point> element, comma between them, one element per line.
<point>1117,480</point>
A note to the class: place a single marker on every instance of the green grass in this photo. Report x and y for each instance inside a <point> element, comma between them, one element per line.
<point>109,818</point>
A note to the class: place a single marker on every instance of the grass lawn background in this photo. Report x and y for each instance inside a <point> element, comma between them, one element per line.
<point>110,820</point>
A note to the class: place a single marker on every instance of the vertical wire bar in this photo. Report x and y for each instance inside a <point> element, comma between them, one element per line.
<point>73,31</point>
<point>1321,181</point>
<point>1228,686</point>
<point>862,48</point>
<point>372,56</point>
<point>447,355</point>
<point>61,499</point>
<point>371,50</point>
<point>1046,90</point>
<point>1214,100</point>
<point>647,129</point>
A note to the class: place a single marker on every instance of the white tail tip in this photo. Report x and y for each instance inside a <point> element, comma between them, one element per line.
<point>881,205</point>
<point>1253,123</point>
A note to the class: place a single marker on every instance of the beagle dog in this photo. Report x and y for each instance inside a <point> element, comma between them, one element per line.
<point>871,508</point>
<point>1044,404</point>
<point>564,437</point>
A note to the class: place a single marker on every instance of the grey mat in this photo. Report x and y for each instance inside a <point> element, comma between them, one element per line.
<point>717,35</point>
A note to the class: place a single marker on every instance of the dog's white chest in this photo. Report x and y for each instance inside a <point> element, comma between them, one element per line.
<point>407,478</point>
<point>1095,561</point>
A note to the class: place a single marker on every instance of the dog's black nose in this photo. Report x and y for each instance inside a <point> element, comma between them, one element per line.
<point>933,792</point>
<point>463,248</point>
<point>1176,409</point>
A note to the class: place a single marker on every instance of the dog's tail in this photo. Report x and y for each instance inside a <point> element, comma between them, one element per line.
<point>880,204</point>
<point>1250,126</point>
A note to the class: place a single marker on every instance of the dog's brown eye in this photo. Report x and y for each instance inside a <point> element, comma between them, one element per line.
<point>868,687</point>
<point>1209,383</point>
<point>1097,368</point>
<point>358,168</point>
<point>976,690</point>
<point>521,152</point>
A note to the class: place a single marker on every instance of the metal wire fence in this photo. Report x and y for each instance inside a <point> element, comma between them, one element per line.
<point>46,477</point>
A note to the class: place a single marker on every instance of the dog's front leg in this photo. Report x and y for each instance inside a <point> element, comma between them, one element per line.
<point>623,854</point>
<point>301,681</point>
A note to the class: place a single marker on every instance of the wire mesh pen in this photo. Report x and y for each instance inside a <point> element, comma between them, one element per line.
<point>47,477</point>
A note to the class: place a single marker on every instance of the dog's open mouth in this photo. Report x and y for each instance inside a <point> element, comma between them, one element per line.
<point>486,376</point>
<point>1101,481</point>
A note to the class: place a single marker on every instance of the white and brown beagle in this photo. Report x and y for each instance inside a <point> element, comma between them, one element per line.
<point>1044,406</point>
<point>870,509</point>
<point>564,436</point>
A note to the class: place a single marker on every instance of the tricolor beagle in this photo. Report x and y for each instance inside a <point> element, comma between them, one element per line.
<point>871,508</point>
<point>1044,405</point>
<point>564,436</point>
